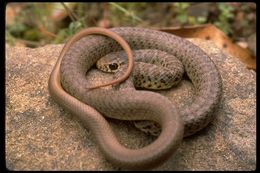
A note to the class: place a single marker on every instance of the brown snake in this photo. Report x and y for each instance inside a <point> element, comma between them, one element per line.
<point>80,54</point>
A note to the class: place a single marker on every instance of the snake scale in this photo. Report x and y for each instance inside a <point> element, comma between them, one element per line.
<point>80,54</point>
<point>153,69</point>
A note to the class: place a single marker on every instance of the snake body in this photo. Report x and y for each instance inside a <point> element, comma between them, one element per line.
<point>153,69</point>
<point>131,104</point>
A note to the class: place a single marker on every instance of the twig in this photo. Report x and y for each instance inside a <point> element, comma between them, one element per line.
<point>126,11</point>
<point>105,15</point>
<point>72,15</point>
<point>28,42</point>
<point>48,33</point>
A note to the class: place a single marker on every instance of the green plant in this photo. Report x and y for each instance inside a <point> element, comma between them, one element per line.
<point>17,29</point>
<point>74,27</point>
<point>129,10</point>
<point>226,14</point>
<point>197,20</point>
<point>9,38</point>
<point>181,10</point>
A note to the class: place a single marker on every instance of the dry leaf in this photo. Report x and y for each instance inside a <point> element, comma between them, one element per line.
<point>210,32</point>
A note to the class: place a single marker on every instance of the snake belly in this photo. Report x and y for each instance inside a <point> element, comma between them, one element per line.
<point>144,105</point>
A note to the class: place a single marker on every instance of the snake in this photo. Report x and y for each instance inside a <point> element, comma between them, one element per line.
<point>153,69</point>
<point>68,86</point>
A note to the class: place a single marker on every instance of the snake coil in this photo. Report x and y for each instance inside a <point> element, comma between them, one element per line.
<point>80,54</point>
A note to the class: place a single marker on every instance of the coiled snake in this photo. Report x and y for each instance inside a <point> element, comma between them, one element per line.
<point>80,54</point>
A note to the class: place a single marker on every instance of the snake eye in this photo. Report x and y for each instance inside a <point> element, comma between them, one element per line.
<point>113,66</point>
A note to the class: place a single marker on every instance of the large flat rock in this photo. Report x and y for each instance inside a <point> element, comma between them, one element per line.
<point>41,135</point>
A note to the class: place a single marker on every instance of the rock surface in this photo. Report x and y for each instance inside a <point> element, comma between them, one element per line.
<point>41,135</point>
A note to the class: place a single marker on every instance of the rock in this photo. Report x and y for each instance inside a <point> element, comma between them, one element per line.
<point>41,135</point>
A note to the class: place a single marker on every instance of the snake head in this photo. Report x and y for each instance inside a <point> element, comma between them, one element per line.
<point>111,63</point>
